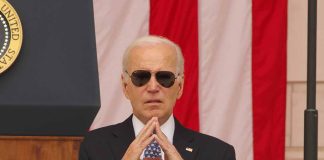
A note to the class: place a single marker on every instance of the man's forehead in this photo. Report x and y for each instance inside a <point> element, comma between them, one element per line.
<point>159,46</point>
<point>157,55</point>
<point>159,50</point>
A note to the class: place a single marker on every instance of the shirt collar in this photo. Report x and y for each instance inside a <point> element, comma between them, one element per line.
<point>167,128</point>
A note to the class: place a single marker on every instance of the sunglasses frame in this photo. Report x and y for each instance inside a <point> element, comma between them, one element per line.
<point>152,73</point>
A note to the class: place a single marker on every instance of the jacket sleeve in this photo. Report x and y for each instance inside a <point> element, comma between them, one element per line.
<point>95,149</point>
<point>230,154</point>
<point>83,153</point>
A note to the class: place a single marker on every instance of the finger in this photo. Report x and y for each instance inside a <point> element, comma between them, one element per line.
<point>147,125</point>
<point>159,132</point>
<point>147,131</point>
<point>162,139</point>
<point>170,152</point>
<point>162,143</point>
<point>146,142</point>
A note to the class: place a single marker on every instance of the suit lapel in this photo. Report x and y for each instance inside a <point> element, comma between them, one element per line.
<point>183,140</point>
<point>123,137</point>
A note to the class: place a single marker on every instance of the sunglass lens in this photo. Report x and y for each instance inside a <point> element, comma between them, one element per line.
<point>140,77</point>
<point>165,78</point>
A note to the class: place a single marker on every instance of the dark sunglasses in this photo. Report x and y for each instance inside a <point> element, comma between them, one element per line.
<point>141,77</point>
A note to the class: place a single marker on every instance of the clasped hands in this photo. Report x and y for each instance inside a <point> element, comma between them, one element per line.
<point>150,132</point>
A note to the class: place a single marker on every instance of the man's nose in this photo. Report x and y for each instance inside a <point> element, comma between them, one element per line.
<point>153,85</point>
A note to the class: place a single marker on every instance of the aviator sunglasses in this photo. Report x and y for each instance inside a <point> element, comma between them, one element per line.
<point>141,77</point>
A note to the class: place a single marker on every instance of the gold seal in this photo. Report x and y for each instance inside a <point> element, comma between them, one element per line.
<point>11,35</point>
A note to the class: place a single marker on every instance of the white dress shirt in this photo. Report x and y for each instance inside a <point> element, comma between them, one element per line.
<point>167,128</point>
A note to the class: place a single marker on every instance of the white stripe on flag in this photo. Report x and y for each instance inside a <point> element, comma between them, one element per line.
<point>117,23</point>
<point>225,72</point>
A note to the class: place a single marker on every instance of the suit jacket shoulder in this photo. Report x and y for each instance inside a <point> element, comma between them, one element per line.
<point>195,145</point>
<point>107,143</point>
<point>217,148</point>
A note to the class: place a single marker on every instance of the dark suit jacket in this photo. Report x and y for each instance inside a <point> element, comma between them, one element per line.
<point>111,142</point>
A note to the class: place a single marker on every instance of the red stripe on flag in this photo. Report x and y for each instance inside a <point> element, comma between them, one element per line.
<point>269,35</point>
<point>178,21</point>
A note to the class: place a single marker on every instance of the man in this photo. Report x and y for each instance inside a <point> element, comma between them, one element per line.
<point>152,80</point>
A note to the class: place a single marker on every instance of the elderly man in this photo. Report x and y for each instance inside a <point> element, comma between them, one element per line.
<point>152,80</point>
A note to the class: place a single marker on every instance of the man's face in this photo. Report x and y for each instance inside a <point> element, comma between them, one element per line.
<point>152,99</point>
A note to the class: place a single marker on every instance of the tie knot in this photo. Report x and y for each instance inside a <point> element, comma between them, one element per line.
<point>153,150</point>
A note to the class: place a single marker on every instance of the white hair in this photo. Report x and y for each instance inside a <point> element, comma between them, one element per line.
<point>151,40</point>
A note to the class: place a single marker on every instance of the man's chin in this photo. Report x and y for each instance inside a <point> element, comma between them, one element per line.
<point>153,113</point>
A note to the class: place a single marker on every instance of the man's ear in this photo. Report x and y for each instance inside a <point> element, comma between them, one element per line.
<point>124,85</point>
<point>181,82</point>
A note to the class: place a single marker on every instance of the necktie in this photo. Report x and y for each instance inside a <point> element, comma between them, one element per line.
<point>153,151</point>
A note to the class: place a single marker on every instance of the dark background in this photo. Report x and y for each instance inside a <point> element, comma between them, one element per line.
<point>52,88</point>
